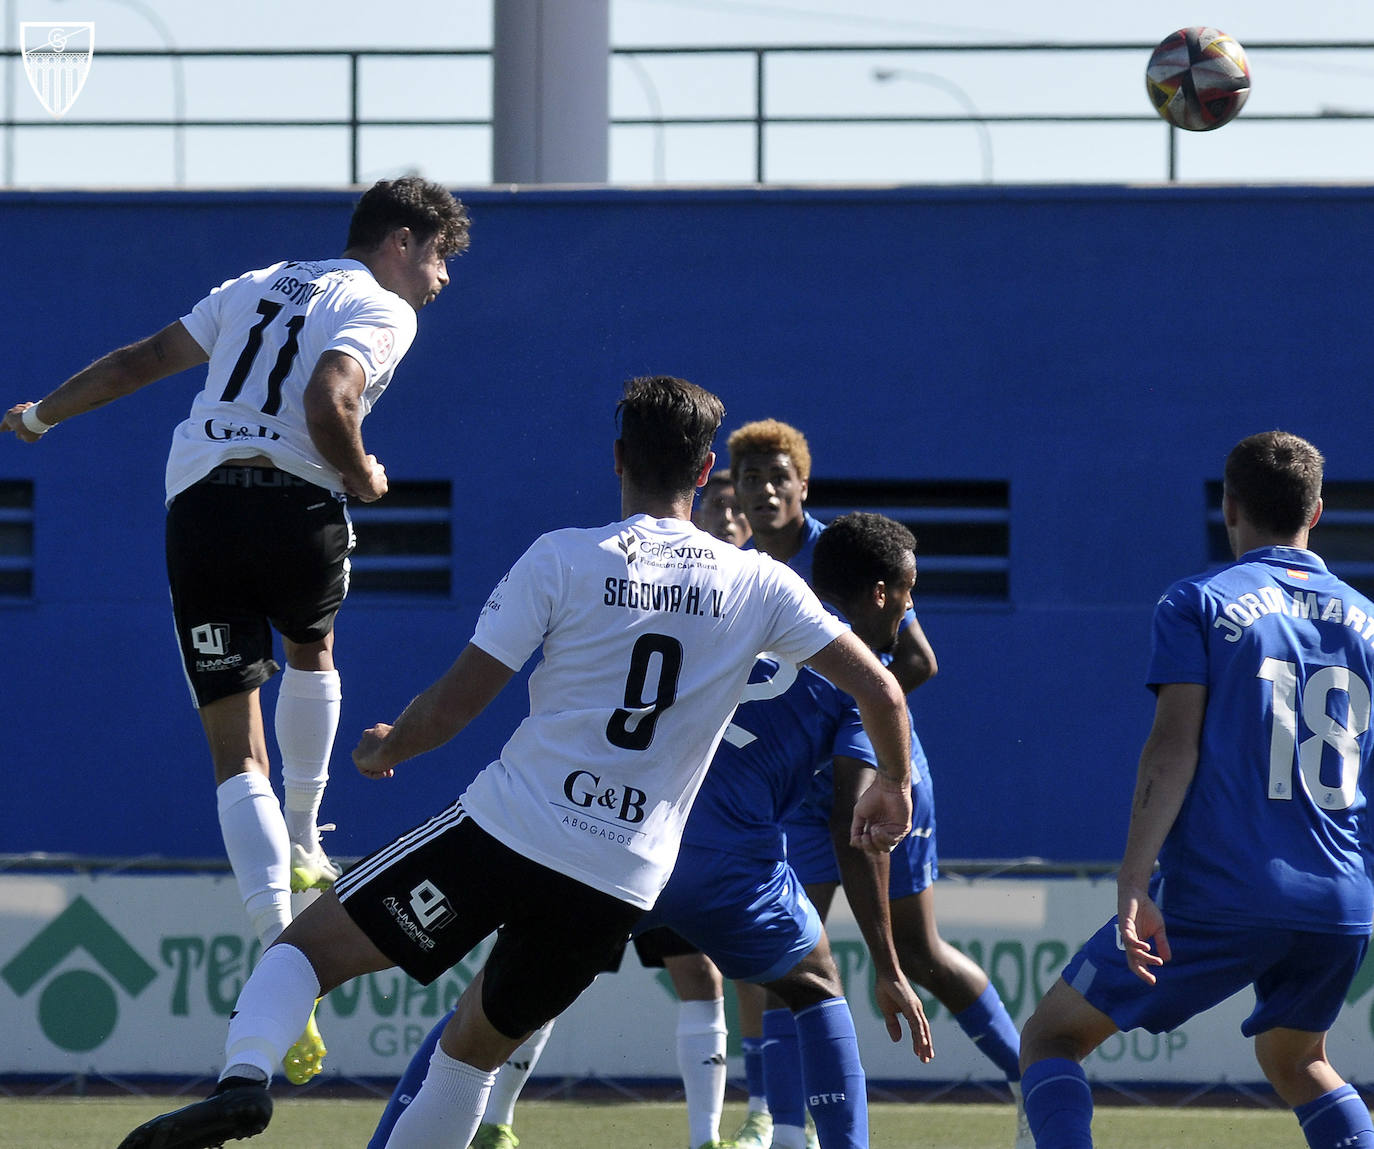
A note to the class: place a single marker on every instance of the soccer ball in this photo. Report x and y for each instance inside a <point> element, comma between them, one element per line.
<point>1198,79</point>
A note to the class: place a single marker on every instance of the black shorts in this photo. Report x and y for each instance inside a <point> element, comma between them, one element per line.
<point>653,945</point>
<point>430,896</point>
<point>250,549</point>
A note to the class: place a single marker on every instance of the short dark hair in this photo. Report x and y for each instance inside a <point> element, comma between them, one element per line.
<point>1276,477</point>
<point>427,208</point>
<point>857,551</point>
<point>666,429</point>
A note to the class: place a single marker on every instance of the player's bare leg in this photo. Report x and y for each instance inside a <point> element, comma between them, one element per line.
<point>319,950</point>
<point>1329,1111</point>
<point>1061,1032</point>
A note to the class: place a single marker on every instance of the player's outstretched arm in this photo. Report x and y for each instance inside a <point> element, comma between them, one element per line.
<point>435,716</point>
<point>112,376</point>
<point>864,875</point>
<point>896,1000</point>
<point>882,816</point>
<point>1167,765</point>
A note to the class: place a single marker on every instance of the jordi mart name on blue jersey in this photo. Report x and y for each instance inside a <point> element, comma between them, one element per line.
<point>1245,610</point>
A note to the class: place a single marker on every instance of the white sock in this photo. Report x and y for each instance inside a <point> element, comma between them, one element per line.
<point>307,718</point>
<point>447,1108</point>
<point>271,1012</point>
<point>259,851</point>
<point>789,1137</point>
<point>701,1061</point>
<point>511,1078</point>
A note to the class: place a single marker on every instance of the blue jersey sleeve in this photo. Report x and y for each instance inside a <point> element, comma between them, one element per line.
<point>1178,651</point>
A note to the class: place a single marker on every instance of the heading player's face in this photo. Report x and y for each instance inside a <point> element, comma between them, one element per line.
<point>771,492</point>
<point>877,623</point>
<point>423,273</point>
<point>719,514</point>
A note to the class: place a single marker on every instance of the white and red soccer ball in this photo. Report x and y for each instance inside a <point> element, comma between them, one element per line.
<point>1198,79</point>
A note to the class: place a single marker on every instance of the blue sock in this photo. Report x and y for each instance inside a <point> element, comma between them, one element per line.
<point>782,1071</point>
<point>753,1065</point>
<point>408,1086</point>
<point>1059,1104</point>
<point>836,1088</point>
<point>1336,1120</point>
<point>992,1030</point>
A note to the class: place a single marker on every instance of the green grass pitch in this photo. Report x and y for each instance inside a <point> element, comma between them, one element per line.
<point>317,1123</point>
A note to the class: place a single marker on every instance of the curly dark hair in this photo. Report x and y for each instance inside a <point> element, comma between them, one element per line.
<point>770,437</point>
<point>666,428</point>
<point>856,552</point>
<point>1277,478</point>
<point>427,208</point>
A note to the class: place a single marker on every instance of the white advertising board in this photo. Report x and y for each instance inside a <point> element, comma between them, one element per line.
<point>128,974</point>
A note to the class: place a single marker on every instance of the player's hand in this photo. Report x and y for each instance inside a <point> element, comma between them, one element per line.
<point>368,755</point>
<point>13,421</point>
<point>895,1001</point>
<point>882,817</point>
<point>373,486</point>
<point>1140,923</point>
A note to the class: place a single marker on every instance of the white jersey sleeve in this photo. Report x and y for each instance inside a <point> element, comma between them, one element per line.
<point>264,332</point>
<point>649,629</point>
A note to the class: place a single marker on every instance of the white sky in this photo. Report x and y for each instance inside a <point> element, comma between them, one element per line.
<point>1100,82</point>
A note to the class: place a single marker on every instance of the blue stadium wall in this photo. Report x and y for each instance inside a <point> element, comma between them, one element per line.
<point>1096,349</point>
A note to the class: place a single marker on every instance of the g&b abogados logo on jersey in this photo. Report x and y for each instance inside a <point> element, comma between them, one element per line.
<point>610,809</point>
<point>57,60</point>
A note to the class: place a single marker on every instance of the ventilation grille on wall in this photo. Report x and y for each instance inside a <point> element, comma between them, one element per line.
<point>405,541</point>
<point>962,529</point>
<point>16,539</point>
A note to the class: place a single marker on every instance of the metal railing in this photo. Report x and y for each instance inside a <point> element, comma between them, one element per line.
<point>761,118</point>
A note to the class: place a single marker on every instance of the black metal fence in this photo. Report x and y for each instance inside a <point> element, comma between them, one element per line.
<point>1057,93</point>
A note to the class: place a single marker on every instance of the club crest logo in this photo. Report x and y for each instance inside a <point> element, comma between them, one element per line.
<point>57,60</point>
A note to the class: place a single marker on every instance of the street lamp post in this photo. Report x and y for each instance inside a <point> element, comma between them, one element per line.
<point>884,75</point>
<point>650,89</point>
<point>178,86</point>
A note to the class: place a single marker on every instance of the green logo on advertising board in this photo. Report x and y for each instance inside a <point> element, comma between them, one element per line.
<point>78,1009</point>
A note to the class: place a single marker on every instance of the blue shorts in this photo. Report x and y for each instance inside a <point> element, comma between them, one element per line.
<point>751,917</point>
<point>915,864</point>
<point>1300,978</point>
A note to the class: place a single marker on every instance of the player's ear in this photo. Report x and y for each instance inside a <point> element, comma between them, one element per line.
<point>1230,511</point>
<point>1316,515</point>
<point>618,453</point>
<point>707,468</point>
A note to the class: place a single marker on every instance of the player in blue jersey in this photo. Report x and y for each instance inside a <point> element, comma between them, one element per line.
<point>1252,794</point>
<point>771,462</point>
<point>771,465</point>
